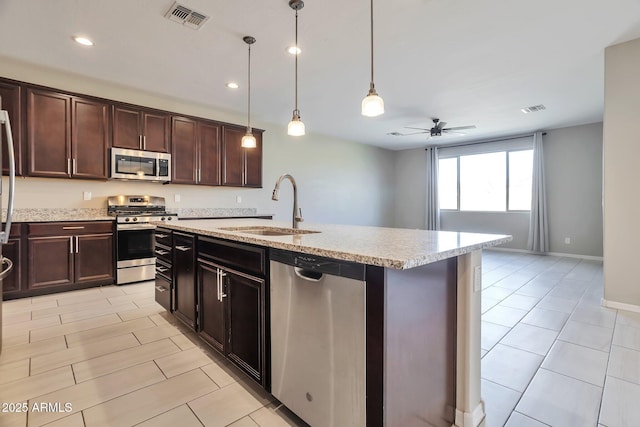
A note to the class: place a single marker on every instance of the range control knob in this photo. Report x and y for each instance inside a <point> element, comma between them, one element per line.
<point>168,218</point>
<point>162,219</point>
<point>135,219</point>
<point>126,220</point>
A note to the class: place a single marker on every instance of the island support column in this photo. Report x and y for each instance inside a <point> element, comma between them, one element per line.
<point>469,405</point>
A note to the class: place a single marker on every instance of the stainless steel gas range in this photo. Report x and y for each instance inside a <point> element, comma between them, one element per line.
<point>135,235</point>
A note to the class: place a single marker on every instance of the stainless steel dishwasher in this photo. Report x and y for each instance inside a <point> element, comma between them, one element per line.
<point>318,338</point>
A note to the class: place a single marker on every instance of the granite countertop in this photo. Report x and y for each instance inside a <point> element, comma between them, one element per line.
<point>60,214</point>
<point>386,247</point>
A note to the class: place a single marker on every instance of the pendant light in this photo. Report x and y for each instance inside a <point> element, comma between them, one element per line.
<point>372,104</point>
<point>296,127</point>
<point>248,140</point>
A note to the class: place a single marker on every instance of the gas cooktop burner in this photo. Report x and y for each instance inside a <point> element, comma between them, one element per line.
<point>136,209</point>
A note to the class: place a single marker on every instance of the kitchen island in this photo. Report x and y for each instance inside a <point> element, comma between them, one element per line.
<point>422,312</point>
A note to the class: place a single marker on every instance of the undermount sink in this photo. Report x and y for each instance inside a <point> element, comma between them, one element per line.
<point>269,231</point>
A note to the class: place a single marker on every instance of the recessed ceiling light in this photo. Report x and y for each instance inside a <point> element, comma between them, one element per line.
<point>232,85</point>
<point>83,40</point>
<point>293,50</point>
<point>533,109</point>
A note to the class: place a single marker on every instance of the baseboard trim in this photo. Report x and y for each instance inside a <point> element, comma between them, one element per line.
<point>560,254</point>
<point>470,419</point>
<point>621,305</point>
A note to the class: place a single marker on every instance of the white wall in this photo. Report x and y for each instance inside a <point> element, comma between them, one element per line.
<point>621,173</point>
<point>573,159</point>
<point>339,181</point>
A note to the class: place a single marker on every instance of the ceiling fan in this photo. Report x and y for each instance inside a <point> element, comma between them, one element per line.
<point>437,130</point>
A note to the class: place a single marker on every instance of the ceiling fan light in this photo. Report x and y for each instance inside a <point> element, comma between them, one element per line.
<point>248,140</point>
<point>295,126</point>
<point>372,105</point>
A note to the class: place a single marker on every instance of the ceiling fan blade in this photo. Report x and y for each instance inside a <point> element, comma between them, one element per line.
<point>405,134</point>
<point>460,128</point>
<point>441,125</point>
<point>452,132</point>
<point>424,129</point>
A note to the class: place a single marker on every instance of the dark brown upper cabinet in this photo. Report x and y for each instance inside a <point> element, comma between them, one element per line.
<point>67,137</point>
<point>196,151</point>
<point>241,167</point>
<point>12,96</point>
<point>141,129</point>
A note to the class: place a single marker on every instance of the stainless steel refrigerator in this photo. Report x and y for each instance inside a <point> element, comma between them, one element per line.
<point>7,265</point>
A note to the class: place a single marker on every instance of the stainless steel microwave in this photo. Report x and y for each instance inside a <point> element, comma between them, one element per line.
<point>138,165</point>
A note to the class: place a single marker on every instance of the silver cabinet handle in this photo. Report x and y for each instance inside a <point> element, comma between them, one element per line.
<point>4,235</point>
<point>144,142</point>
<point>162,236</point>
<point>77,244</point>
<point>69,166</point>
<point>7,270</point>
<point>79,227</point>
<point>140,141</point>
<point>222,275</point>
<point>161,269</point>
<point>218,284</point>
<point>70,244</point>
<point>162,251</point>
<point>75,166</point>
<point>161,289</point>
<point>183,248</point>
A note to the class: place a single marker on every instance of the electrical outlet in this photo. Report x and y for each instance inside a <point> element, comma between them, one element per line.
<point>567,240</point>
<point>176,198</point>
<point>86,195</point>
<point>238,199</point>
<point>477,278</point>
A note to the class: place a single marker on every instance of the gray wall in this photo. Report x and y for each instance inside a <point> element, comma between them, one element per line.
<point>621,174</point>
<point>573,159</point>
<point>573,162</point>
<point>339,181</point>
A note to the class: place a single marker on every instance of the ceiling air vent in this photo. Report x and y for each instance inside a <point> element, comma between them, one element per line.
<point>185,16</point>
<point>533,109</point>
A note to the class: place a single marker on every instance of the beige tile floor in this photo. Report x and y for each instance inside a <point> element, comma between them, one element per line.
<point>117,359</point>
<point>552,356</point>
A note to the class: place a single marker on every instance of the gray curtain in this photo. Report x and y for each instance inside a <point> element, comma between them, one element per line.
<point>538,222</point>
<point>432,208</point>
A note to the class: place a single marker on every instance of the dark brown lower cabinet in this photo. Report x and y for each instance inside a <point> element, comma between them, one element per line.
<point>68,255</point>
<point>185,304</point>
<point>14,249</point>
<point>233,304</point>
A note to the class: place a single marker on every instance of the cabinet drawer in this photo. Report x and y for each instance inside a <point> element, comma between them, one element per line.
<point>163,292</point>
<point>164,237</point>
<point>69,228</point>
<point>164,253</point>
<point>241,256</point>
<point>164,269</point>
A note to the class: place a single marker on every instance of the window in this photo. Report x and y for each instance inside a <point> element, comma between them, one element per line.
<point>487,182</point>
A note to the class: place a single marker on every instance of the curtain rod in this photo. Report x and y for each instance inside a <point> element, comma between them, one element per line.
<point>484,141</point>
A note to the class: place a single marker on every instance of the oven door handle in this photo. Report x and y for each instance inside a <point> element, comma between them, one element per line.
<point>135,227</point>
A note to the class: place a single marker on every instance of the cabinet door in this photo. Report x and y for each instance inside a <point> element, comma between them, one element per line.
<point>50,261</point>
<point>185,284</point>
<point>11,94</point>
<point>246,327</point>
<point>127,128</point>
<point>90,138</point>
<point>184,157</point>
<point>232,156</point>
<point>48,133</point>
<point>253,163</point>
<point>209,149</point>
<point>13,250</point>
<point>94,258</point>
<point>155,132</point>
<point>212,324</point>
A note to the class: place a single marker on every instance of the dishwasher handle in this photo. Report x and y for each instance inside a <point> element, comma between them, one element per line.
<point>310,275</point>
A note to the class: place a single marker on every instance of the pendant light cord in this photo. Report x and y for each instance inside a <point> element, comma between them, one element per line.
<point>249,94</point>
<point>371,86</point>
<point>296,60</point>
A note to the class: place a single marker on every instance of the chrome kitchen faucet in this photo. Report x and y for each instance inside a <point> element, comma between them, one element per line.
<point>297,213</point>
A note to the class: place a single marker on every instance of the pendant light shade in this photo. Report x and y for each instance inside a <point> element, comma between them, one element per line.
<point>248,140</point>
<point>372,104</point>
<point>296,127</point>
